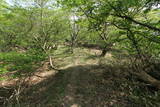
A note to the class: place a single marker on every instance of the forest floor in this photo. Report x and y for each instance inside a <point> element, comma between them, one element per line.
<point>84,80</point>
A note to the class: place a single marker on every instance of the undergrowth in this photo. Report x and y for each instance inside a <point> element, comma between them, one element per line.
<point>19,62</point>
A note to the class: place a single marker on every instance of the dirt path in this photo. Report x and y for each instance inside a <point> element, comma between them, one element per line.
<point>83,80</point>
<point>80,83</point>
<point>71,97</point>
<point>72,86</point>
<point>79,80</point>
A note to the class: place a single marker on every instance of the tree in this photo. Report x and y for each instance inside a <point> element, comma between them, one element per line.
<point>130,17</point>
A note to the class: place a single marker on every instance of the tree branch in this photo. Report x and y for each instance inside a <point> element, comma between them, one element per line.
<point>139,23</point>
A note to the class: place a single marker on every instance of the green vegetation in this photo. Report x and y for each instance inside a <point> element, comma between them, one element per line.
<point>21,62</point>
<point>80,53</point>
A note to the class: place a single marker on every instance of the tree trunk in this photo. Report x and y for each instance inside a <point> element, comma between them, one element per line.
<point>148,79</point>
<point>104,51</point>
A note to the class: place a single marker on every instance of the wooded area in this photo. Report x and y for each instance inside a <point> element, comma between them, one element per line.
<point>80,53</point>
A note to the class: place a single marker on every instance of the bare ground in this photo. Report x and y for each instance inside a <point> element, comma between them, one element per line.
<point>83,82</point>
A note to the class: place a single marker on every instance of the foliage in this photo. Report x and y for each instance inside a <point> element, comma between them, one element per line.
<point>19,62</point>
<point>31,31</point>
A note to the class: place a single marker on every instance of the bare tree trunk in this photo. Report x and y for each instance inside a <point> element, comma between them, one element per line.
<point>142,72</point>
<point>104,51</point>
<point>148,79</point>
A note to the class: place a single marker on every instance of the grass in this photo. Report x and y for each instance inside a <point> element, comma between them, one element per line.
<point>109,81</point>
<point>20,62</point>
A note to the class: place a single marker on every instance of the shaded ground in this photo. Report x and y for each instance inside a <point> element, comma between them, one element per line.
<point>78,86</point>
<point>85,80</point>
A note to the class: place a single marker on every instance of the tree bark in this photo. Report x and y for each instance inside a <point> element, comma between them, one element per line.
<point>148,79</point>
<point>104,51</point>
